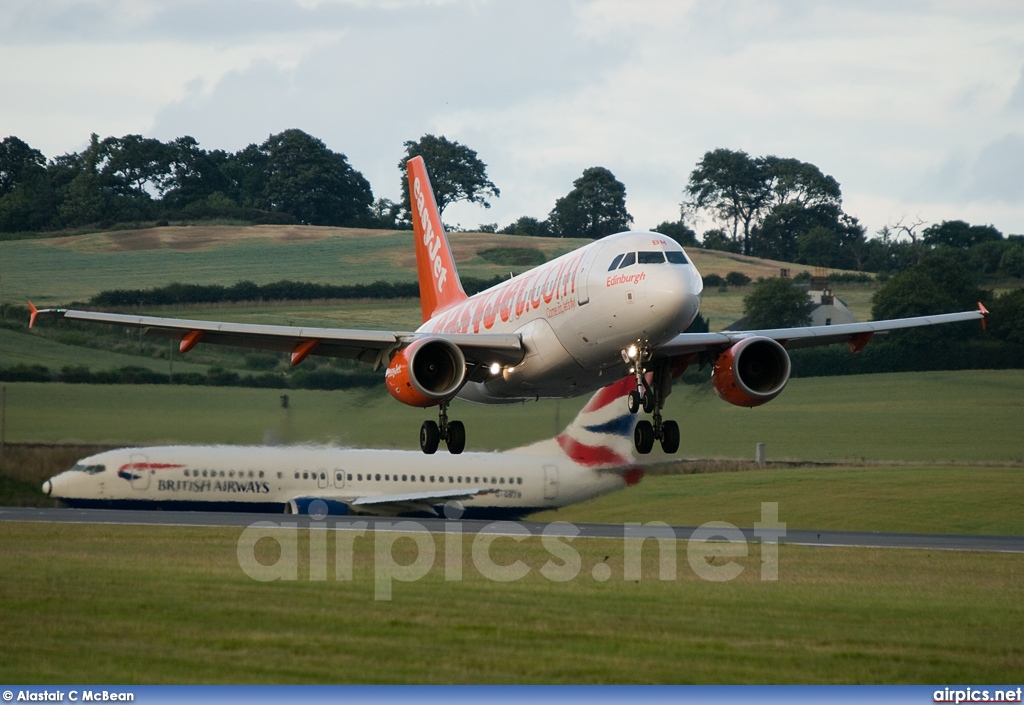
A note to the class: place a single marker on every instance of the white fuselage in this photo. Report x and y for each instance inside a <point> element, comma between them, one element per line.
<point>511,484</point>
<point>578,312</point>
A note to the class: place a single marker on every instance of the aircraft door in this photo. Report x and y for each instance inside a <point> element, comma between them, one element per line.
<point>140,471</point>
<point>582,290</point>
<point>322,479</point>
<point>550,481</point>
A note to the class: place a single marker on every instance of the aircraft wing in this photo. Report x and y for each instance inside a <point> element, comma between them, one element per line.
<point>391,504</point>
<point>371,346</point>
<point>856,334</point>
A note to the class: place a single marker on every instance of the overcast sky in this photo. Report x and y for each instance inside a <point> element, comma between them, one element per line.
<point>916,108</point>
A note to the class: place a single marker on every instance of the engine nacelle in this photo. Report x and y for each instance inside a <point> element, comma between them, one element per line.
<point>426,372</point>
<point>752,372</point>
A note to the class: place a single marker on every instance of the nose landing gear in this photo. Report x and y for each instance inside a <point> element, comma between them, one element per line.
<point>651,396</point>
<point>453,433</point>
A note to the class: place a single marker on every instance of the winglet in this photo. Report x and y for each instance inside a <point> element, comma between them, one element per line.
<point>439,281</point>
<point>33,314</point>
<point>984,315</point>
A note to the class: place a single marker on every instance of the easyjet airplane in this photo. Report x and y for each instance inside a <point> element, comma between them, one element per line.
<point>592,457</point>
<point>614,307</point>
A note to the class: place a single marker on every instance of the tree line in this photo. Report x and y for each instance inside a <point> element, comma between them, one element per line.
<point>766,206</point>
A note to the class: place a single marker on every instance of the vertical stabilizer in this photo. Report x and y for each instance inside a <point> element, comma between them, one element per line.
<point>439,281</point>
<point>601,435</point>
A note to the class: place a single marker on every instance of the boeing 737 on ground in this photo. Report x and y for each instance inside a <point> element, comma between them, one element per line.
<point>592,457</point>
<point>615,307</point>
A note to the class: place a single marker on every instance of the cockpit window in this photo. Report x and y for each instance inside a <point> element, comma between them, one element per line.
<point>676,258</point>
<point>629,259</point>
<point>615,262</point>
<point>651,257</point>
<point>91,469</point>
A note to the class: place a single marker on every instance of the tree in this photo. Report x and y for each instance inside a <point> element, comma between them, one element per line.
<point>777,303</point>
<point>456,173</point>
<point>526,225</point>
<point>938,284</point>
<point>595,207</point>
<point>741,190</point>
<point>679,232</point>
<point>730,185</point>
<point>195,174</point>
<point>18,162</point>
<point>307,180</point>
<point>958,234</point>
<point>717,239</point>
<point>134,165</point>
<point>27,201</point>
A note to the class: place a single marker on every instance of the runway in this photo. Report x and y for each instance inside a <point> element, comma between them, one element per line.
<point>797,537</point>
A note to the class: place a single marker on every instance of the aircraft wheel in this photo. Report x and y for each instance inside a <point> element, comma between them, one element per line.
<point>643,436</point>
<point>633,401</point>
<point>430,437</point>
<point>456,437</point>
<point>670,437</point>
<point>648,402</point>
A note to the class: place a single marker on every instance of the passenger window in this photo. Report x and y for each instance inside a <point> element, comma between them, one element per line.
<point>615,262</point>
<point>405,478</point>
<point>629,259</point>
<point>337,476</point>
<point>186,472</point>
<point>503,480</point>
<point>279,475</point>
<point>653,257</point>
<point>676,258</point>
<point>305,476</point>
<point>261,474</point>
<point>378,477</point>
<point>350,477</point>
<point>519,480</point>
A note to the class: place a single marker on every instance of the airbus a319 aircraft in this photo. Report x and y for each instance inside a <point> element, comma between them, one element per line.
<point>591,457</point>
<point>615,307</point>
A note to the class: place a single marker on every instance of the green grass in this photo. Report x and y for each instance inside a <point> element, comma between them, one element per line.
<point>923,417</point>
<point>39,269</point>
<point>23,348</point>
<point>916,500</point>
<point>124,604</point>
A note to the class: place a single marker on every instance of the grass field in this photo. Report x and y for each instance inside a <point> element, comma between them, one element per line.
<point>925,417</point>
<point>120,604</point>
<point>36,269</point>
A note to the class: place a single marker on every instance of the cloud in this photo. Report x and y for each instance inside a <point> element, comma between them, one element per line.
<point>998,171</point>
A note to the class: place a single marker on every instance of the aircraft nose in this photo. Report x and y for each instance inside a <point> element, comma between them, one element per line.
<point>47,487</point>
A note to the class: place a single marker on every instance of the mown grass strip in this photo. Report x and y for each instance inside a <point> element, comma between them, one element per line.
<point>95,604</point>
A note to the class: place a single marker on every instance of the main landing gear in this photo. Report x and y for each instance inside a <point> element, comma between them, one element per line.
<point>651,397</point>
<point>453,433</point>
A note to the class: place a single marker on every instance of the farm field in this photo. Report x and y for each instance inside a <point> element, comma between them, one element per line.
<point>130,604</point>
<point>142,259</point>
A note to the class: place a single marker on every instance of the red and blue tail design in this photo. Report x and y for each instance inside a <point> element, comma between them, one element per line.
<point>601,435</point>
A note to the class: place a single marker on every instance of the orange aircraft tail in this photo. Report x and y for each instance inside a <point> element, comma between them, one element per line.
<point>439,281</point>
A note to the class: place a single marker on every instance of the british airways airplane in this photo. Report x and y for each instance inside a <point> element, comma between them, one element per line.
<point>615,307</point>
<point>592,457</point>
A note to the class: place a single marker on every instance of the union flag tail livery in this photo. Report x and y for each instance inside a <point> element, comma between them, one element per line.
<point>591,457</point>
<point>439,281</point>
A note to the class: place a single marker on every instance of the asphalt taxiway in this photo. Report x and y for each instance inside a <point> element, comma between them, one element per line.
<point>799,537</point>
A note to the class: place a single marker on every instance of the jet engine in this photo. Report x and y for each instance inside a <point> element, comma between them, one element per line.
<point>752,372</point>
<point>426,372</point>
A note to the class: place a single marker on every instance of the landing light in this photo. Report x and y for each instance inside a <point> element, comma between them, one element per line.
<point>495,368</point>
<point>631,352</point>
